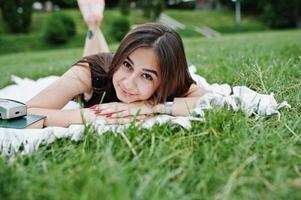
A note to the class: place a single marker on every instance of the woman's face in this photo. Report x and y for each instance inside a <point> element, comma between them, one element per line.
<point>138,77</point>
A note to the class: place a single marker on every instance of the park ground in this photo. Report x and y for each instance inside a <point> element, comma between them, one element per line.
<point>229,156</point>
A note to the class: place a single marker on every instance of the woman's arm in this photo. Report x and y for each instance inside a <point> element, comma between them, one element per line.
<point>181,106</point>
<point>60,118</point>
<point>50,101</point>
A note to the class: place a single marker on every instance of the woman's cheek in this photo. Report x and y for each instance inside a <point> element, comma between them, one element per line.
<point>146,90</point>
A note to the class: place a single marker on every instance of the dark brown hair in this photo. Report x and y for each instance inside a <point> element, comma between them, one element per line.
<point>168,46</point>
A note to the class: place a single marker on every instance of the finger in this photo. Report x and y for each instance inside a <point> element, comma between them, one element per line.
<point>123,120</point>
<point>145,116</point>
<point>126,113</point>
<point>109,105</point>
<point>133,112</point>
<point>96,109</point>
<point>126,120</point>
<point>114,109</point>
<point>103,107</point>
<point>139,118</point>
<point>130,119</point>
<point>110,121</point>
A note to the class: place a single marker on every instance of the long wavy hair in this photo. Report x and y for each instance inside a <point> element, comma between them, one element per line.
<point>168,46</point>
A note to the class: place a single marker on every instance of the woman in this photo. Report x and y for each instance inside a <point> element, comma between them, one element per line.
<point>147,75</point>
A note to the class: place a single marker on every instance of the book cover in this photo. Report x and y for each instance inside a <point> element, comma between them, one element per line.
<point>29,121</point>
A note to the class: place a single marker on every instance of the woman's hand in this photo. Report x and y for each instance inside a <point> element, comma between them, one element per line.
<point>121,110</point>
<point>123,120</point>
<point>90,116</point>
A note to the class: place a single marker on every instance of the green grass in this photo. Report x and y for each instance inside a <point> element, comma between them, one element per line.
<point>219,20</point>
<point>12,43</point>
<point>229,156</point>
<point>222,21</point>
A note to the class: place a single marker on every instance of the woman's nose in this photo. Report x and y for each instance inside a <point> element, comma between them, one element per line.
<point>130,81</point>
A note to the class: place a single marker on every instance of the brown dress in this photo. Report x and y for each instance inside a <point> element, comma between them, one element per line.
<point>102,85</point>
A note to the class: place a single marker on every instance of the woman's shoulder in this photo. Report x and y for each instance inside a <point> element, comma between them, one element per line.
<point>100,83</point>
<point>98,63</point>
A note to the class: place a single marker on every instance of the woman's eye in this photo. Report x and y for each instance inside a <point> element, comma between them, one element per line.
<point>127,65</point>
<point>148,77</point>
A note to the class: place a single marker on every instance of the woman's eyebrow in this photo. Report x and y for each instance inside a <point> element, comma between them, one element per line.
<point>148,70</point>
<point>151,71</point>
<point>130,60</point>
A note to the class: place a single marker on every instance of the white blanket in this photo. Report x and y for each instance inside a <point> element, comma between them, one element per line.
<point>25,141</point>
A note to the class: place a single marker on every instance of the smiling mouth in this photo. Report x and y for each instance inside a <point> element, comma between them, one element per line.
<point>125,92</point>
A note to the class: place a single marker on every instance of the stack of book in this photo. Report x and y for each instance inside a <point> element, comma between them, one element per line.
<point>28,121</point>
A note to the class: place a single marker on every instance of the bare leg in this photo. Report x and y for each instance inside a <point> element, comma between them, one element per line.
<point>92,11</point>
<point>95,42</point>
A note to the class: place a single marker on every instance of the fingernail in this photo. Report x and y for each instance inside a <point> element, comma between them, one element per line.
<point>109,115</point>
<point>92,107</point>
<point>95,109</point>
<point>97,112</point>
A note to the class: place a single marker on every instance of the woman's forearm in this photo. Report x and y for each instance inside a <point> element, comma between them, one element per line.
<point>61,118</point>
<point>181,106</point>
<point>64,118</point>
<point>95,42</point>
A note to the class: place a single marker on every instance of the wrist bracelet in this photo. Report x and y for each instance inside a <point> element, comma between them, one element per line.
<point>168,108</point>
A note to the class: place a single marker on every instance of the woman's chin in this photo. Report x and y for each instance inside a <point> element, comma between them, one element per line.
<point>125,99</point>
<point>128,98</point>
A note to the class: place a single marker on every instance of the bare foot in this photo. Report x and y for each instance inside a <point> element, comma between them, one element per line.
<point>92,11</point>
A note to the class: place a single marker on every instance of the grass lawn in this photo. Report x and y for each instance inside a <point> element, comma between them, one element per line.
<point>220,20</point>
<point>227,157</point>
